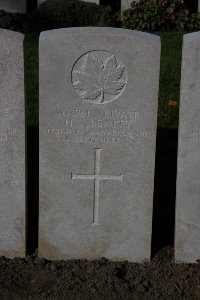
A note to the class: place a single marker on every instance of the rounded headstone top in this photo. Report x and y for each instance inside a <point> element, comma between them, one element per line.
<point>101,31</point>
<point>5,33</point>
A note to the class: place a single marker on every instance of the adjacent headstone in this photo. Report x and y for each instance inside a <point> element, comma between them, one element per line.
<point>125,4</point>
<point>13,5</point>
<point>187,241</point>
<point>198,5</point>
<point>12,145</point>
<point>40,1</point>
<point>98,111</point>
<point>93,1</point>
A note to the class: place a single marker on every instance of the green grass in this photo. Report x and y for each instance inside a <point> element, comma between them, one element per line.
<point>170,76</point>
<point>31,78</point>
<point>169,79</point>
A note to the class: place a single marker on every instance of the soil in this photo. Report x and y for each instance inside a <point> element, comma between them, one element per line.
<point>34,278</point>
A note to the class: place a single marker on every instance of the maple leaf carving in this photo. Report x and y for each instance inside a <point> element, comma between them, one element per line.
<point>96,79</point>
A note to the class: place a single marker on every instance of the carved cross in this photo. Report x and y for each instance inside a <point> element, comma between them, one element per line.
<point>96,177</point>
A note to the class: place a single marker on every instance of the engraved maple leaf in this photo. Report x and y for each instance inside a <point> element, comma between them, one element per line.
<point>96,79</point>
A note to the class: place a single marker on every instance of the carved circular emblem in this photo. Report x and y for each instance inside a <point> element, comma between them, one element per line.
<point>98,77</point>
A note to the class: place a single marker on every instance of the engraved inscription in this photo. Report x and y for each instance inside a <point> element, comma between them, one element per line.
<point>103,126</point>
<point>194,136</point>
<point>98,77</point>
<point>5,131</point>
<point>4,111</point>
<point>96,177</point>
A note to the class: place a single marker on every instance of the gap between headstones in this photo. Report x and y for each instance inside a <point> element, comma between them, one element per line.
<point>164,190</point>
<point>31,60</point>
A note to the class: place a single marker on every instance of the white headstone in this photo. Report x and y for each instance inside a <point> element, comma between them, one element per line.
<point>12,145</point>
<point>93,1</point>
<point>125,4</point>
<point>98,111</point>
<point>41,1</point>
<point>187,241</point>
<point>13,5</point>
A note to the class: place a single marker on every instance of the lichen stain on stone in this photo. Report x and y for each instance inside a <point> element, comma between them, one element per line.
<point>20,227</point>
<point>48,251</point>
<point>96,251</point>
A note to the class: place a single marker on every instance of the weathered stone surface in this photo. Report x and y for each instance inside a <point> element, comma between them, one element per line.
<point>187,241</point>
<point>98,111</point>
<point>13,5</point>
<point>41,1</point>
<point>12,145</point>
<point>125,4</point>
<point>93,1</point>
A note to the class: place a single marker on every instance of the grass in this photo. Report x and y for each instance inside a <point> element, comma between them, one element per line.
<point>170,76</point>
<point>169,79</point>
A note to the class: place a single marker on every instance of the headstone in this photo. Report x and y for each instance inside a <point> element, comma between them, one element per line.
<point>98,111</point>
<point>125,4</point>
<point>93,1</point>
<point>13,5</point>
<point>12,145</point>
<point>187,241</point>
<point>198,5</point>
<point>41,1</point>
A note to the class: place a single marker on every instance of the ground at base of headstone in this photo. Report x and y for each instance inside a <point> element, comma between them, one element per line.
<point>36,278</point>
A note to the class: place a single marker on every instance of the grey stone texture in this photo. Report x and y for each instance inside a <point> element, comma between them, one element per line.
<point>98,111</point>
<point>125,4</point>
<point>41,1</point>
<point>93,1</point>
<point>12,145</point>
<point>13,5</point>
<point>187,240</point>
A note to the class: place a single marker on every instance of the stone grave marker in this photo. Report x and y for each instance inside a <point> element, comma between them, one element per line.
<point>98,111</point>
<point>41,1</point>
<point>93,1</point>
<point>12,145</point>
<point>125,4</point>
<point>13,5</point>
<point>187,238</point>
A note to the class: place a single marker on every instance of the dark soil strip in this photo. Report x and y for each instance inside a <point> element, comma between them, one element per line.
<point>164,189</point>
<point>39,279</point>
